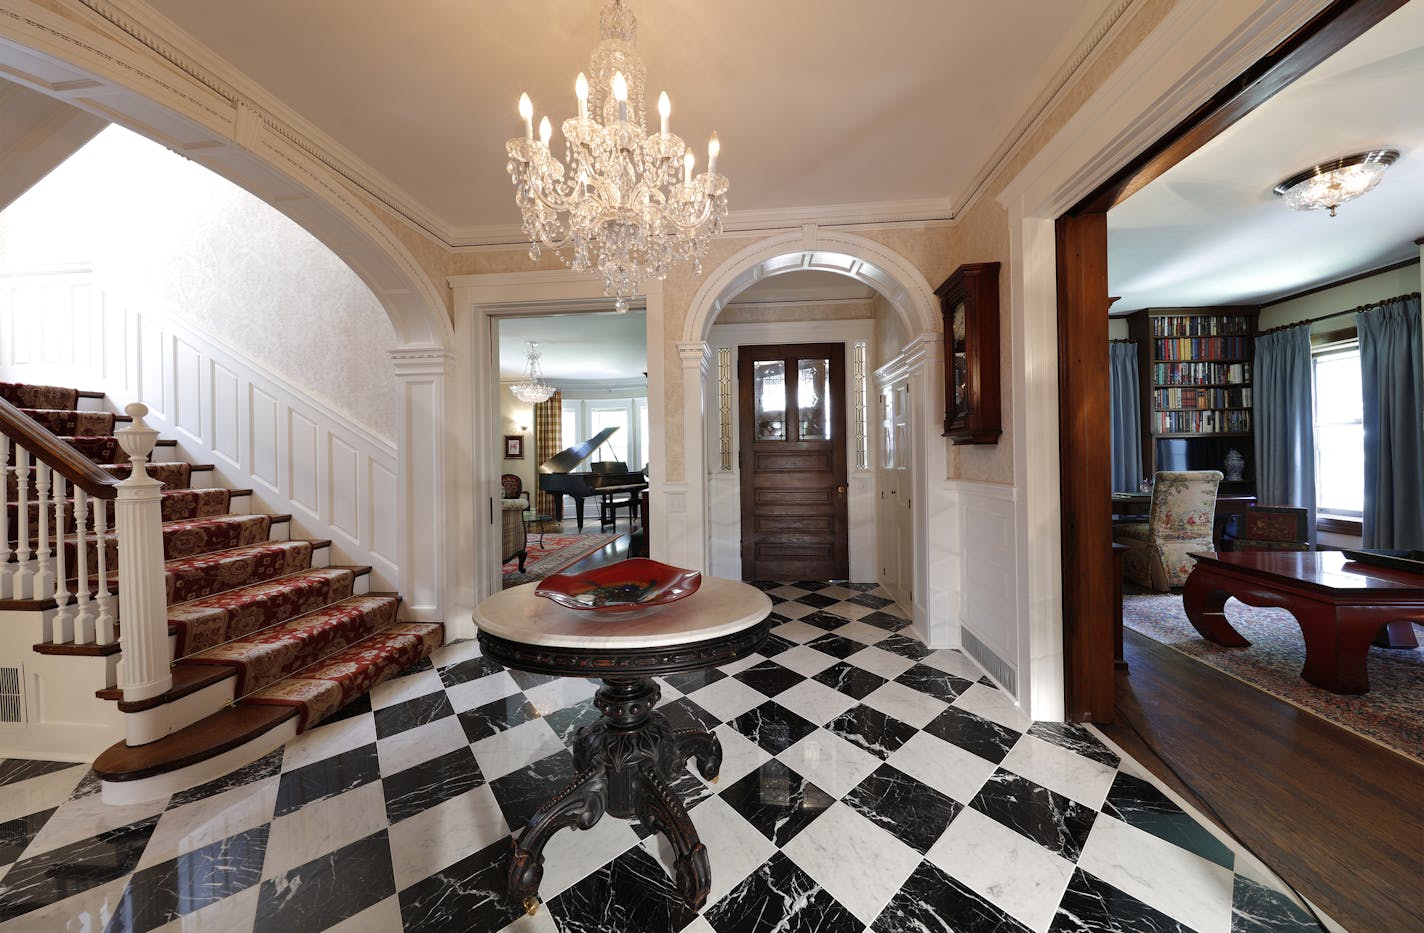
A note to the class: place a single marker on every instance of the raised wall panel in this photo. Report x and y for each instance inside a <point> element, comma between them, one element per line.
<point>342,494</point>
<point>262,413</point>
<point>989,571</point>
<point>383,493</point>
<point>24,315</point>
<point>114,334</point>
<point>80,319</point>
<point>56,320</point>
<point>301,460</point>
<point>226,414</point>
<point>151,360</point>
<point>187,389</point>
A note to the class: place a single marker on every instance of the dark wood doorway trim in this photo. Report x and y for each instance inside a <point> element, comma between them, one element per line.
<point>1082,343</point>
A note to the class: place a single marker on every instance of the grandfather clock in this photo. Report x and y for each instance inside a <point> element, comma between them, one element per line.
<point>969,301</point>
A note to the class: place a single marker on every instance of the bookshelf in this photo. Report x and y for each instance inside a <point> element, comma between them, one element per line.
<point>1195,370</point>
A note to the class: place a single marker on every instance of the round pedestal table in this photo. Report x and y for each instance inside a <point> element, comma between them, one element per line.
<point>626,760</point>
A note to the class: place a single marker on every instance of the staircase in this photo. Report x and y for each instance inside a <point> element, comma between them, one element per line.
<point>266,638</point>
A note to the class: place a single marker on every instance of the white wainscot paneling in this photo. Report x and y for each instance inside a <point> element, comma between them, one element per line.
<point>342,492</point>
<point>226,415</point>
<point>990,581</point>
<point>944,546</point>
<point>301,460</point>
<point>264,440</point>
<point>725,526</point>
<point>382,502</point>
<point>187,390</point>
<point>151,365</point>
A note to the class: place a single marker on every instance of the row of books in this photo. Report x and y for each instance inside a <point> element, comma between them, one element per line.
<point>1187,374</point>
<point>1202,398</point>
<point>1201,348</point>
<point>1202,422</point>
<point>1200,325</point>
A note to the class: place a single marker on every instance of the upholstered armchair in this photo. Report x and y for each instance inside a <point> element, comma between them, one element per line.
<point>1179,522</point>
<point>513,536</point>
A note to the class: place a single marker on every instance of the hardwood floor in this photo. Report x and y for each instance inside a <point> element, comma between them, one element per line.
<point>1337,816</point>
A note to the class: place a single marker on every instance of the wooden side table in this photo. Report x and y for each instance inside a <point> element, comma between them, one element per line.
<point>626,760</point>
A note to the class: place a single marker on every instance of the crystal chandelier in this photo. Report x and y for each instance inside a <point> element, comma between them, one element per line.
<point>1333,183</point>
<point>533,389</point>
<point>624,203</point>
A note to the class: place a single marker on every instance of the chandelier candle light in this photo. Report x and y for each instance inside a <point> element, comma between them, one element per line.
<point>624,203</point>
<point>533,389</point>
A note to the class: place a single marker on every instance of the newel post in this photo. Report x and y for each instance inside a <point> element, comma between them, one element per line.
<point>143,598</point>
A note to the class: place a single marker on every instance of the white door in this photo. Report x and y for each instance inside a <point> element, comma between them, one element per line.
<point>897,570</point>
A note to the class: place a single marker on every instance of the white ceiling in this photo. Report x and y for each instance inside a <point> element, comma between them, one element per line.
<point>817,102</point>
<point>1210,231</point>
<point>807,285</point>
<point>590,346</point>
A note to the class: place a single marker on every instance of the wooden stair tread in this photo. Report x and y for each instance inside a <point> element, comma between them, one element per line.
<point>70,648</point>
<point>89,393</point>
<point>204,739</point>
<point>187,678</point>
<point>356,570</point>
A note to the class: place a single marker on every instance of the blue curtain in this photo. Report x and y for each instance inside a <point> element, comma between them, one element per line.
<point>1126,418</point>
<point>1392,378</point>
<point>1285,421</point>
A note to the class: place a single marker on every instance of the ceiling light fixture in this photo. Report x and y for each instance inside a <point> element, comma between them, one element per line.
<point>533,389</point>
<point>626,204</point>
<point>1332,183</point>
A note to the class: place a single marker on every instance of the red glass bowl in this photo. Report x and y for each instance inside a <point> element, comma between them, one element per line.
<point>630,585</point>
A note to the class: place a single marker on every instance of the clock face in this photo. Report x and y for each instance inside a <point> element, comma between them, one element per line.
<point>958,324</point>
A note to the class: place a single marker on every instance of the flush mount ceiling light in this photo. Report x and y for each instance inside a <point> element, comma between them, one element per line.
<point>533,389</point>
<point>624,203</point>
<point>1332,183</point>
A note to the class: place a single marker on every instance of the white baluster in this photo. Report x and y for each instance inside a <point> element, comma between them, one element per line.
<point>23,552</point>
<point>43,579</point>
<point>83,608</point>
<point>6,571</point>
<point>143,601</point>
<point>63,626</point>
<point>106,634</point>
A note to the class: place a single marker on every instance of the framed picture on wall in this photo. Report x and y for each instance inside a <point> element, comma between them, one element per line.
<point>514,447</point>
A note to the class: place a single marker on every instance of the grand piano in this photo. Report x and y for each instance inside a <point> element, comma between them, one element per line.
<point>604,479</point>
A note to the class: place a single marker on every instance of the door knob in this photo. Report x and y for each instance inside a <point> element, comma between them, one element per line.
<point>841,489</point>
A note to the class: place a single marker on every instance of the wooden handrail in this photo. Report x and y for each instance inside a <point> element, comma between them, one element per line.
<point>54,453</point>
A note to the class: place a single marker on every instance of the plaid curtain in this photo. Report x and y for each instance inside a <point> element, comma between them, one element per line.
<point>548,440</point>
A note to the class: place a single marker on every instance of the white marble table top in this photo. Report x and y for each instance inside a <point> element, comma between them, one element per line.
<point>719,607</point>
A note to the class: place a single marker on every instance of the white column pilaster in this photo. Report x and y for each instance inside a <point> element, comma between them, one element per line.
<point>422,514</point>
<point>143,598</point>
<point>685,532</point>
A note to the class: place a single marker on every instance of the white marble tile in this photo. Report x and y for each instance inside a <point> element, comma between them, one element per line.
<point>87,817</point>
<point>1182,885</point>
<point>323,826</point>
<point>727,699</point>
<point>381,917</point>
<point>734,846</point>
<point>210,820</point>
<point>793,610</point>
<point>699,925</point>
<point>508,751</point>
<point>558,694</point>
<point>736,667</point>
<point>798,632</point>
<point>835,591</point>
<point>740,757</point>
<point>237,912</point>
<point>852,611</point>
<point>885,663</point>
<point>324,741</point>
<point>815,702</point>
<point>905,704</point>
<point>445,833</point>
<point>454,654</point>
<point>806,660</point>
<point>1014,873</point>
<point>944,766</point>
<point>573,854</point>
<point>994,705</point>
<point>830,762</point>
<point>1056,768</point>
<point>864,885</point>
<point>391,692</point>
<point>413,746</point>
<point>859,631</point>
<point>953,661</point>
<point>787,591</point>
<point>473,693</point>
<point>38,793</point>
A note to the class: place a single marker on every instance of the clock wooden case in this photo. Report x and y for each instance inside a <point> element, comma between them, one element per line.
<point>969,301</point>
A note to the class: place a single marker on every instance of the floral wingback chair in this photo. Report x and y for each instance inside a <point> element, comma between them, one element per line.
<point>1179,522</point>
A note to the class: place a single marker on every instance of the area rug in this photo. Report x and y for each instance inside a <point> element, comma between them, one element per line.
<point>1392,713</point>
<point>557,553</point>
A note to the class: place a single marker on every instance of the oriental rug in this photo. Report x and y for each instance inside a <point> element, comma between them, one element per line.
<point>557,553</point>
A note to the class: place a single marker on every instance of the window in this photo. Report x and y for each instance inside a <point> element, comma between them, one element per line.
<point>1339,431</point>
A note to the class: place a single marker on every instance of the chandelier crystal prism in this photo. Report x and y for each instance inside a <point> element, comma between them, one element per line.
<point>623,202</point>
<point>533,389</point>
<point>1332,183</point>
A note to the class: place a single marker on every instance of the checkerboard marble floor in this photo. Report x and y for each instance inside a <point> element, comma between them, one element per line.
<point>868,783</point>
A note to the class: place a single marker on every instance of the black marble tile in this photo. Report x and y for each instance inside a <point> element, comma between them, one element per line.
<point>777,801</point>
<point>327,778</point>
<point>934,682</point>
<point>630,894</point>
<point>17,834</point>
<point>261,769</point>
<point>1091,905</point>
<point>688,681</point>
<point>520,793</point>
<point>468,670</point>
<point>888,621</point>
<point>497,716</point>
<point>88,784</point>
<point>826,621</point>
<point>776,599</point>
<point>861,587</point>
<point>178,887</point>
<point>417,712</point>
<point>1139,804</point>
<point>769,678</point>
<point>61,873</point>
<point>872,730</point>
<point>905,647</point>
<point>328,889</point>
<point>912,812</point>
<point>774,645</point>
<point>773,727</point>
<point>684,713</point>
<point>810,586</point>
<point>765,585</point>
<point>1035,812</point>
<point>421,787</point>
<point>357,707</point>
<point>871,601</point>
<point>931,901</point>
<point>850,680</point>
<point>528,681</point>
<point>780,898</point>
<point>468,895</point>
<point>569,720</point>
<point>422,665</point>
<point>13,770</point>
<point>1075,738</point>
<point>836,646</point>
<point>1257,909</point>
<point>987,739</point>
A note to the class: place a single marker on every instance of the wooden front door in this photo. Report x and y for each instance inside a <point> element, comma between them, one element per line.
<point>793,462</point>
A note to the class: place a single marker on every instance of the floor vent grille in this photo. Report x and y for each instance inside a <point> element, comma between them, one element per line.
<point>998,668</point>
<point>12,697</point>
